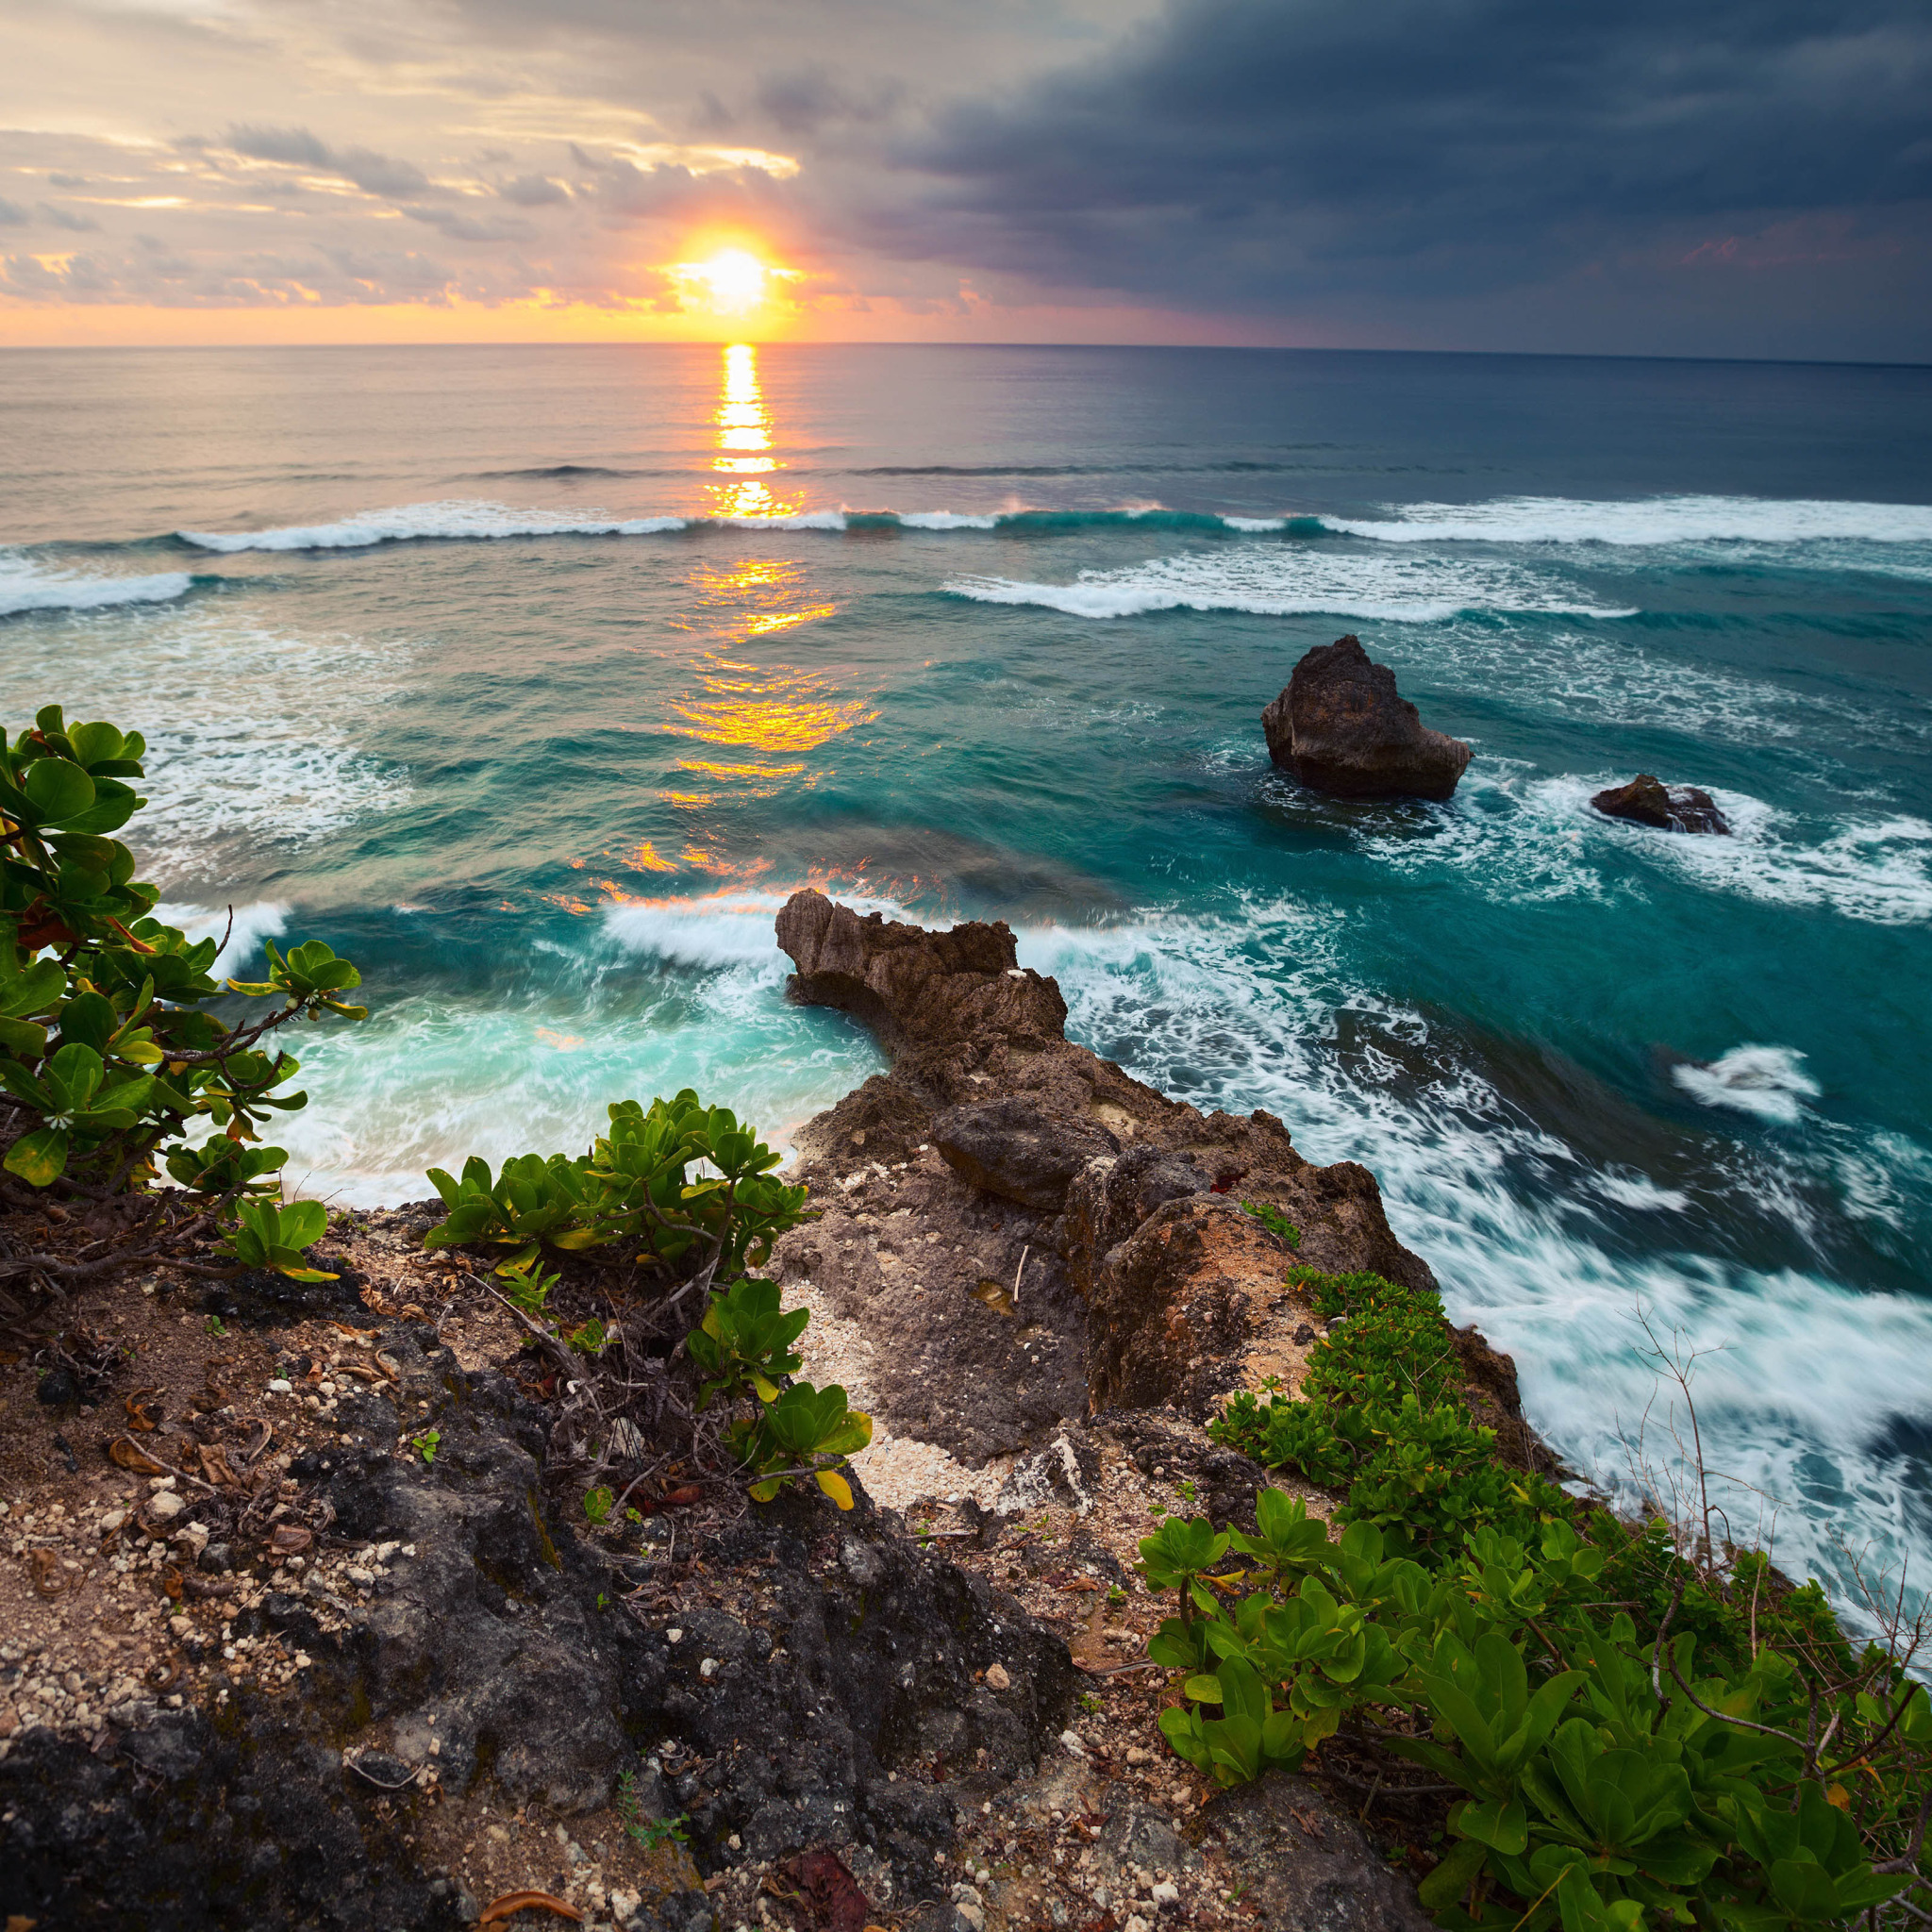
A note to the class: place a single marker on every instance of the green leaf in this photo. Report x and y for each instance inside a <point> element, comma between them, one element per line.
<point>1452,1877</point>
<point>58,789</point>
<point>38,1159</point>
<point>1502,1826</point>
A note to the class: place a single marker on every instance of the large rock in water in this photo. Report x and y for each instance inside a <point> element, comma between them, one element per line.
<point>1669,807</point>
<point>1342,726</point>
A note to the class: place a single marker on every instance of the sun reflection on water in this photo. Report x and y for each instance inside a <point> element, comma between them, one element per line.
<point>744,443</point>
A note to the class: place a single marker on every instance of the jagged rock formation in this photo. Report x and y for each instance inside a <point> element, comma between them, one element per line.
<point>1128,1201</point>
<point>1648,801</point>
<point>1342,726</point>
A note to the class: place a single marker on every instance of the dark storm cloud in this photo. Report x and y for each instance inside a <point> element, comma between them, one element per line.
<point>372,172</point>
<point>1245,151</point>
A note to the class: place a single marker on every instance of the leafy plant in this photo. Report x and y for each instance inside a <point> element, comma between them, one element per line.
<point>637,1183</point>
<point>426,1444</point>
<point>273,1236</point>
<point>528,1284</point>
<point>1275,1221</point>
<point>806,1431</point>
<point>111,1065</point>
<point>745,1341</point>
<point>598,1503</point>
<point>1717,1754</point>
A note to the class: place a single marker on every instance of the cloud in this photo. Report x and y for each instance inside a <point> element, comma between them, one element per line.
<point>374,173</point>
<point>461,227</point>
<point>66,218</point>
<point>12,215</point>
<point>58,180</point>
<point>1252,152</point>
<point>534,191</point>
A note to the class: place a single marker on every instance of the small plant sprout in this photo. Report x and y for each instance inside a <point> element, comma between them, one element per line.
<point>426,1444</point>
<point>1275,1221</point>
<point>598,1503</point>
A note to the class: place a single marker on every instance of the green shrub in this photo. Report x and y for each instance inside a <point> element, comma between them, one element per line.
<point>806,1431</point>
<point>635,1185</point>
<point>1716,1753</point>
<point>109,1062</point>
<point>744,1341</point>
<point>273,1237</point>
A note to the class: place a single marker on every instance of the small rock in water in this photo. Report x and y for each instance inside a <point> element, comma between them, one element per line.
<point>1647,801</point>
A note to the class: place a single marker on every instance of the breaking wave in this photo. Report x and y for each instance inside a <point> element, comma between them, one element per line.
<point>1651,521</point>
<point>1284,582</point>
<point>26,587</point>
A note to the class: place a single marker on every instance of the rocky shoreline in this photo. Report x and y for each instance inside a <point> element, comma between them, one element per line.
<point>372,1667</point>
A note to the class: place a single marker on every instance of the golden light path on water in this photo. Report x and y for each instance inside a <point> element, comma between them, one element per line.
<point>751,726</point>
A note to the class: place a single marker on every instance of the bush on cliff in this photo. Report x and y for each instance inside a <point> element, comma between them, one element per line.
<point>111,1066</point>
<point>1639,1736</point>
<point>685,1194</point>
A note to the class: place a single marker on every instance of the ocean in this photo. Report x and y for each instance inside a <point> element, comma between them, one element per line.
<point>536,679</point>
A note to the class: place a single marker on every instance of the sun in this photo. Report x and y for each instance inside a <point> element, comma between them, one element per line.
<point>733,278</point>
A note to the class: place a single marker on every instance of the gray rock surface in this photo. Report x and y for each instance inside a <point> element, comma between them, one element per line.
<point>1309,1867</point>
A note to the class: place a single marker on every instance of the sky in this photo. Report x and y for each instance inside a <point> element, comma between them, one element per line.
<point>1703,177</point>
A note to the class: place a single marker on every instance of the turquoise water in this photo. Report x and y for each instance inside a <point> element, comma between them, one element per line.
<point>535,679</point>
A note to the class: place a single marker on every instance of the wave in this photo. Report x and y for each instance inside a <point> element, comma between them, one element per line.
<point>241,928</point>
<point>1294,582</point>
<point>1652,521</point>
<point>722,931</point>
<point>464,520</point>
<point>1763,1080</point>
<point>26,587</point>
<point>1518,837</point>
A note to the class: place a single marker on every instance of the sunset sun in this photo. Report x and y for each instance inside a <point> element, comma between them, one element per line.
<point>732,281</point>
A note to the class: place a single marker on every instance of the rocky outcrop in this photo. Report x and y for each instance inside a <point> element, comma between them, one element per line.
<point>1647,801</point>
<point>1342,726</point>
<point>1143,1265</point>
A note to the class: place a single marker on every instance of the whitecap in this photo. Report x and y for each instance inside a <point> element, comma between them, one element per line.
<point>242,754</point>
<point>241,928</point>
<point>458,518</point>
<point>1649,521</point>
<point>1296,581</point>
<point>26,587</point>
<point>1258,1008</point>
<point>1766,1081</point>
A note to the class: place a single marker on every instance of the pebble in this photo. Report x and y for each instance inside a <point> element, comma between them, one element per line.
<point>278,1387</point>
<point>996,1677</point>
<point>164,1506</point>
<point>1166,1894</point>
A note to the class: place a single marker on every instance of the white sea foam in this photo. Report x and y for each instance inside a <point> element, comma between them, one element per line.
<point>1766,1081</point>
<point>727,930</point>
<point>946,520</point>
<point>242,929</point>
<point>27,586</point>
<point>1877,869</point>
<point>1647,521</point>
<point>1294,580</point>
<point>247,748</point>
<point>456,518</point>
